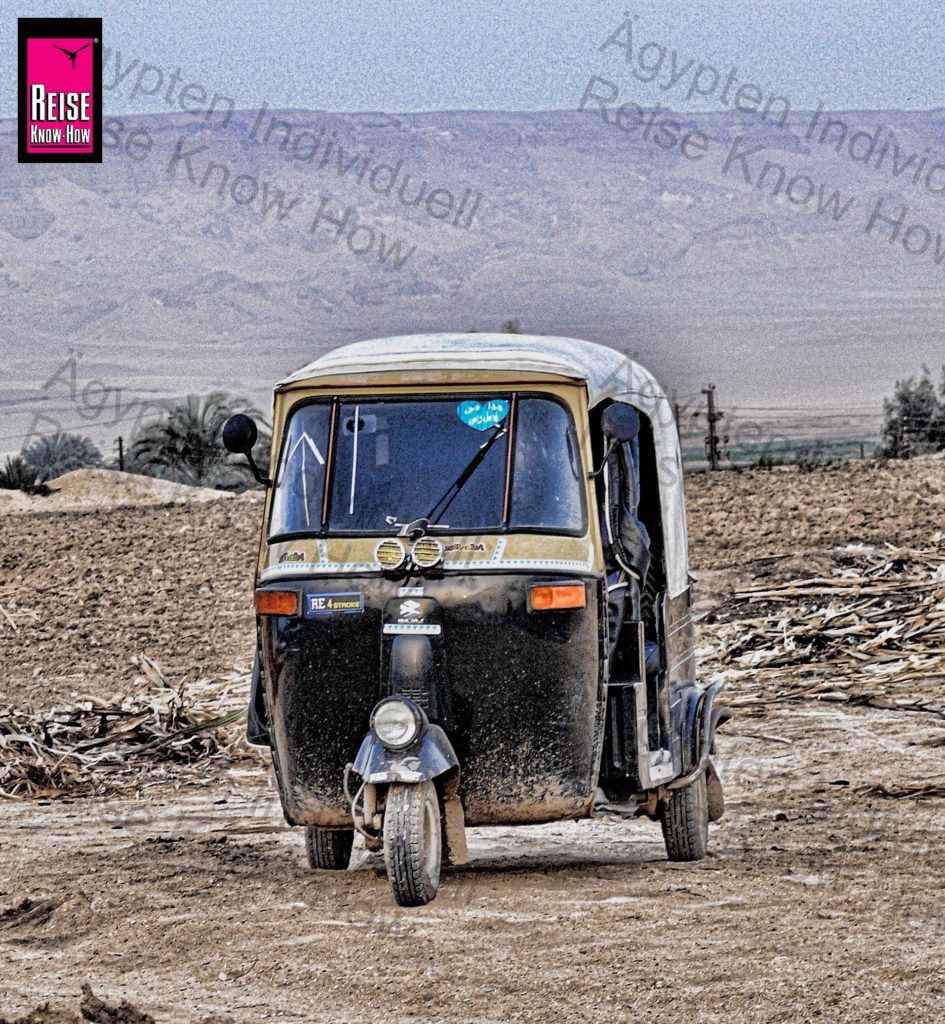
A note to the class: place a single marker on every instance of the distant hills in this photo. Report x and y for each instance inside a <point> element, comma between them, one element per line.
<point>200,256</point>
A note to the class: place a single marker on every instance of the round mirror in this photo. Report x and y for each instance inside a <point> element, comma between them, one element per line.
<point>620,422</point>
<point>239,434</point>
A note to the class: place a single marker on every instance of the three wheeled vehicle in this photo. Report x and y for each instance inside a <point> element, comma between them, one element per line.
<point>473,600</point>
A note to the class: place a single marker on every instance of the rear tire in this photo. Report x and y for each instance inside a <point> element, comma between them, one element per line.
<point>684,818</point>
<point>413,843</point>
<point>328,849</point>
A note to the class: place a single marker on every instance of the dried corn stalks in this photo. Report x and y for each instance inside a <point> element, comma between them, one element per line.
<point>871,633</point>
<point>95,746</point>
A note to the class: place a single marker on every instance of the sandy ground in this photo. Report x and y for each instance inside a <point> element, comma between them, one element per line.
<point>819,902</point>
<point>816,904</point>
<point>95,488</point>
<point>86,592</point>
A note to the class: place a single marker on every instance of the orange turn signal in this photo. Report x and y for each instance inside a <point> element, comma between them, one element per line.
<point>551,597</point>
<point>277,602</point>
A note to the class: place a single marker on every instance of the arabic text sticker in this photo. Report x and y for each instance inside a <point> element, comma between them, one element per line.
<point>483,415</point>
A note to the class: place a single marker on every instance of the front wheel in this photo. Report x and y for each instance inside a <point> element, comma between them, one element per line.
<point>685,821</point>
<point>413,843</point>
<point>328,849</point>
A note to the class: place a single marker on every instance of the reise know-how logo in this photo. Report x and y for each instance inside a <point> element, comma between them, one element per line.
<point>60,90</point>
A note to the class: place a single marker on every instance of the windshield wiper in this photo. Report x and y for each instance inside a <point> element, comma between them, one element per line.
<point>436,513</point>
<point>416,529</point>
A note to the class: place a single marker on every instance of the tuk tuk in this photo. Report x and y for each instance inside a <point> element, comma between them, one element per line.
<point>473,600</point>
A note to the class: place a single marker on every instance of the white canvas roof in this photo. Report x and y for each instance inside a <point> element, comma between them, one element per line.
<point>608,374</point>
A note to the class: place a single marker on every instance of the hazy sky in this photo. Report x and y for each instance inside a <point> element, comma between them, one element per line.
<point>507,54</point>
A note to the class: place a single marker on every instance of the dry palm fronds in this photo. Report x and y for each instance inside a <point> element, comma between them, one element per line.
<point>96,745</point>
<point>920,791</point>
<point>873,633</point>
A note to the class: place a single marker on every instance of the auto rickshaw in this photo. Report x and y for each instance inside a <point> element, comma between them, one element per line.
<point>473,600</point>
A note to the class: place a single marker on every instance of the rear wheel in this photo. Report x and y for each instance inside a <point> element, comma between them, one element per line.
<point>328,849</point>
<point>413,843</point>
<point>685,821</point>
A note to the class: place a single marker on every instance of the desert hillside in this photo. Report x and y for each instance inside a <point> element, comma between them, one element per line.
<point>165,279</point>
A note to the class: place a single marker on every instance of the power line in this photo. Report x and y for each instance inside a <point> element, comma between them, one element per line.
<point>85,427</point>
<point>810,408</point>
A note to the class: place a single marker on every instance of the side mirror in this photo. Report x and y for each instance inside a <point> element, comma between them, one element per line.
<point>239,437</point>
<point>239,434</point>
<point>620,423</point>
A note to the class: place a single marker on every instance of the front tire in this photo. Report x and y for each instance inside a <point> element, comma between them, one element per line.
<point>413,843</point>
<point>328,849</point>
<point>684,818</point>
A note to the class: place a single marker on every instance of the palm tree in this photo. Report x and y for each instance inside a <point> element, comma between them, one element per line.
<point>16,475</point>
<point>186,446</point>
<point>49,457</point>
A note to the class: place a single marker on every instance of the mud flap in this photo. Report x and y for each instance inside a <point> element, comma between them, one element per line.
<point>716,797</point>
<point>455,850</point>
<point>257,718</point>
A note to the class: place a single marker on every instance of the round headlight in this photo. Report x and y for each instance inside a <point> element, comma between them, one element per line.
<point>391,554</point>
<point>427,552</point>
<point>395,723</point>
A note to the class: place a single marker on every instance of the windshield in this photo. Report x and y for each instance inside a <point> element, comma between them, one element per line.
<point>361,467</point>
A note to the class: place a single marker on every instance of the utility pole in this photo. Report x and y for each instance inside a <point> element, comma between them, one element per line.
<point>676,410</point>
<point>712,441</point>
<point>121,455</point>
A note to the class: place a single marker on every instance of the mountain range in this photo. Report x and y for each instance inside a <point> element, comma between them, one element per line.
<point>224,251</point>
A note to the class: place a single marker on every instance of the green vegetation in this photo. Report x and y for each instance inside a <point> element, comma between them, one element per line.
<point>805,454</point>
<point>16,475</point>
<point>50,457</point>
<point>186,445</point>
<point>914,418</point>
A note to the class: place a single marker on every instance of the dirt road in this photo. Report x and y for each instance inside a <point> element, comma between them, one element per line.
<point>819,902</point>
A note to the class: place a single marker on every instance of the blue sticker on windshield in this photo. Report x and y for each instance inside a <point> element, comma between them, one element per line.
<point>483,415</point>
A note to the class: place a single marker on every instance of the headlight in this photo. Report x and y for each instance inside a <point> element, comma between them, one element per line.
<point>396,723</point>
<point>391,554</point>
<point>427,552</point>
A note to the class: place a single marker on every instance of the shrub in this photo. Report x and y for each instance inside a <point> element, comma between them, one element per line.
<point>914,418</point>
<point>49,457</point>
<point>16,475</point>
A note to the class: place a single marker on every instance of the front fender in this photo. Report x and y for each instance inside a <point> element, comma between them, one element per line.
<point>430,757</point>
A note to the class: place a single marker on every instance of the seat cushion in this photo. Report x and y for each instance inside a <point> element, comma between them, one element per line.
<point>651,658</point>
